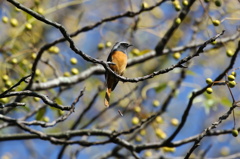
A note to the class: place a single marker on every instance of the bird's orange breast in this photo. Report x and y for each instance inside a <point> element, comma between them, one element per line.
<point>120,60</point>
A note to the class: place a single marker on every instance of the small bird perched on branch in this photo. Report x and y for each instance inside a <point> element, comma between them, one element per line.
<point>118,57</point>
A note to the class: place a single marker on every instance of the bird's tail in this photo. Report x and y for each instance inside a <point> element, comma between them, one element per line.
<point>107,97</point>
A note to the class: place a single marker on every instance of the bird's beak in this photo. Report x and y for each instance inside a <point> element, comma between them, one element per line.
<point>130,45</point>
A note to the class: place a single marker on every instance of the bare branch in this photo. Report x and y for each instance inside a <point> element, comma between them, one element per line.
<point>44,98</point>
<point>24,79</point>
<point>99,70</point>
<point>14,104</point>
<point>68,37</point>
<point>225,116</point>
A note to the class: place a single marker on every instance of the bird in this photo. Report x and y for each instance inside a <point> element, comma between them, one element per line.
<point>118,58</point>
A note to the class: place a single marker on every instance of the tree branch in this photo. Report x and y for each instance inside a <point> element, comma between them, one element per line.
<point>44,98</point>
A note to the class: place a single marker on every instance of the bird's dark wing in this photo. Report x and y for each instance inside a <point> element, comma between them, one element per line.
<point>115,83</point>
<point>109,57</point>
<point>111,81</point>
<point>116,80</point>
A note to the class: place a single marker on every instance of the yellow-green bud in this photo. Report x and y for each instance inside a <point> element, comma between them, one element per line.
<point>66,74</point>
<point>37,72</point>
<point>135,51</point>
<point>100,46</point>
<point>234,132</point>
<point>54,49</point>
<point>155,103</point>
<point>40,10</point>
<point>46,119</point>
<point>231,78</point>
<point>229,53</point>
<point>108,44</point>
<point>28,26</point>
<point>148,153</point>
<point>209,81</point>
<point>209,90</point>
<point>177,55</point>
<point>36,99</point>
<point>135,120</point>
<point>216,22</point>
<point>185,2</point>
<point>5,77</point>
<point>178,21</point>
<point>5,19</point>
<point>34,56</point>
<point>234,74</point>
<point>232,84</point>
<point>145,5</point>
<point>14,61</point>
<point>73,61</point>
<point>14,22</point>
<point>74,71</point>
<point>177,7</point>
<point>174,122</point>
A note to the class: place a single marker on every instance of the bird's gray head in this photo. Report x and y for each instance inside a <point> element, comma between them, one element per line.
<point>121,46</point>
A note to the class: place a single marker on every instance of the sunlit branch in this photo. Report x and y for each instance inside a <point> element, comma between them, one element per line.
<point>99,70</point>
